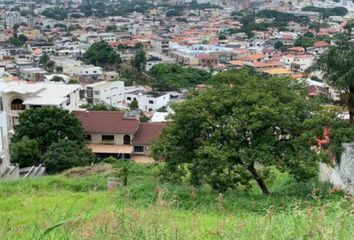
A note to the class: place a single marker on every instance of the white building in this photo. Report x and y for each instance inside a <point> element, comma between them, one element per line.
<point>297,62</point>
<point>77,68</point>
<point>154,58</point>
<point>148,101</point>
<point>160,44</point>
<point>106,92</point>
<point>4,144</point>
<point>21,95</point>
<point>108,37</point>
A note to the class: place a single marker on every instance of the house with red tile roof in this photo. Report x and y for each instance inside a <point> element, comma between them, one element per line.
<point>319,47</point>
<point>296,50</point>
<point>207,60</point>
<point>117,134</point>
<point>321,44</point>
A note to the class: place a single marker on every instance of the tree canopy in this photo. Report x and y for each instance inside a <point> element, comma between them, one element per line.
<point>232,135</point>
<point>99,107</point>
<point>25,152</point>
<point>139,60</point>
<point>48,125</point>
<point>18,40</point>
<point>56,13</point>
<point>327,12</point>
<point>51,136</point>
<point>337,67</point>
<point>167,77</point>
<point>102,54</point>
<point>66,154</point>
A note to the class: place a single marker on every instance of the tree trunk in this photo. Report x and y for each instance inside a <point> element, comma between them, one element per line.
<point>350,105</point>
<point>259,180</point>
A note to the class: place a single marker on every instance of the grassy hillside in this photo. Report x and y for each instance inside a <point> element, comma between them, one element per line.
<point>80,207</point>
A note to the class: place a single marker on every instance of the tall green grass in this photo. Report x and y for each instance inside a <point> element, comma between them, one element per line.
<point>58,207</point>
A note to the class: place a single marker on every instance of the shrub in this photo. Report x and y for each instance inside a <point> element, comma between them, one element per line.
<point>66,154</point>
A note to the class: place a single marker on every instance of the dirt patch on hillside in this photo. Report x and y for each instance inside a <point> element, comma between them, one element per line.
<point>101,169</point>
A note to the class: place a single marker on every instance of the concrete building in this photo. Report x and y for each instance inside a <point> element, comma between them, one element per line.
<point>148,101</point>
<point>106,92</point>
<point>160,45</point>
<point>21,95</point>
<point>32,73</point>
<point>107,37</point>
<point>76,68</point>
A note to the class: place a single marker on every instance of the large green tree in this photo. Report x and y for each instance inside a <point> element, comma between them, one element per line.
<point>139,60</point>
<point>25,152</point>
<point>232,135</point>
<point>102,54</point>
<point>66,154</point>
<point>48,125</point>
<point>337,66</point>
<point>167,77</point>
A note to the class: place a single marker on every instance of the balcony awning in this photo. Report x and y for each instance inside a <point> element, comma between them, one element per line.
<point>107,148</point>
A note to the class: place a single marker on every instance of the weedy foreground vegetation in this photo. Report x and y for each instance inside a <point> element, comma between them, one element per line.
<point>77,205</point>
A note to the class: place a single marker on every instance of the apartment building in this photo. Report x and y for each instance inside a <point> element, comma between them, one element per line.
<point>106,92</point>
<point>148,101</point>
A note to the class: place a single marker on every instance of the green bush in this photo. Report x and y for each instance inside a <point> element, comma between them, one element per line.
<point>66,154</point>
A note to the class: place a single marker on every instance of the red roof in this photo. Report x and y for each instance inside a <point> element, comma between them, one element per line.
<point>106,122</point>
<point>147,132</point>
<point>321,44</point>
<point>265,64</point>
<point>297,49</point>
<point>205,56</point>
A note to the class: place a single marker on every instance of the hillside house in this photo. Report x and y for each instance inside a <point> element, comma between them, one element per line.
<point>105,92</point>
<point>117,134</point>
<point>148,101</point>
<point>21,95</point>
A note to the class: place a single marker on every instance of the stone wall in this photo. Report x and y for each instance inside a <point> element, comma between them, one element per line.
<point>342,176</point>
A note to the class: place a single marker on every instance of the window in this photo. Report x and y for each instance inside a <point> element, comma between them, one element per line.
<point>107,138</point>
<point>129,98</point>
<point>88,137</point>
<point>16,104</point>
<point>126,140</point>
<point>151,102</point>
<point>97,92</point>
<point>138,149</point>
<point>68,100</point>
<point>150,110</point>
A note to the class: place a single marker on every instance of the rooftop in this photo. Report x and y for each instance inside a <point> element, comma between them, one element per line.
<point>106,122</point>
<point>147,132</point>
<point>41,93</point>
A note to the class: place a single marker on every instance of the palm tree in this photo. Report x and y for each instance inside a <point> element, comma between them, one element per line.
<point>337,66</point>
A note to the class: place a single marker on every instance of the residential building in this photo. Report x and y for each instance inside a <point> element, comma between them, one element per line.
<point>77,68</point>
<point>106,92</point>
<point>108,37</point>
<point>21,95</point>
<point>117,134</point>
<point>160,45</point>
<point>297,63</point>
<point>148,101</point>
<point>35,74</point>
